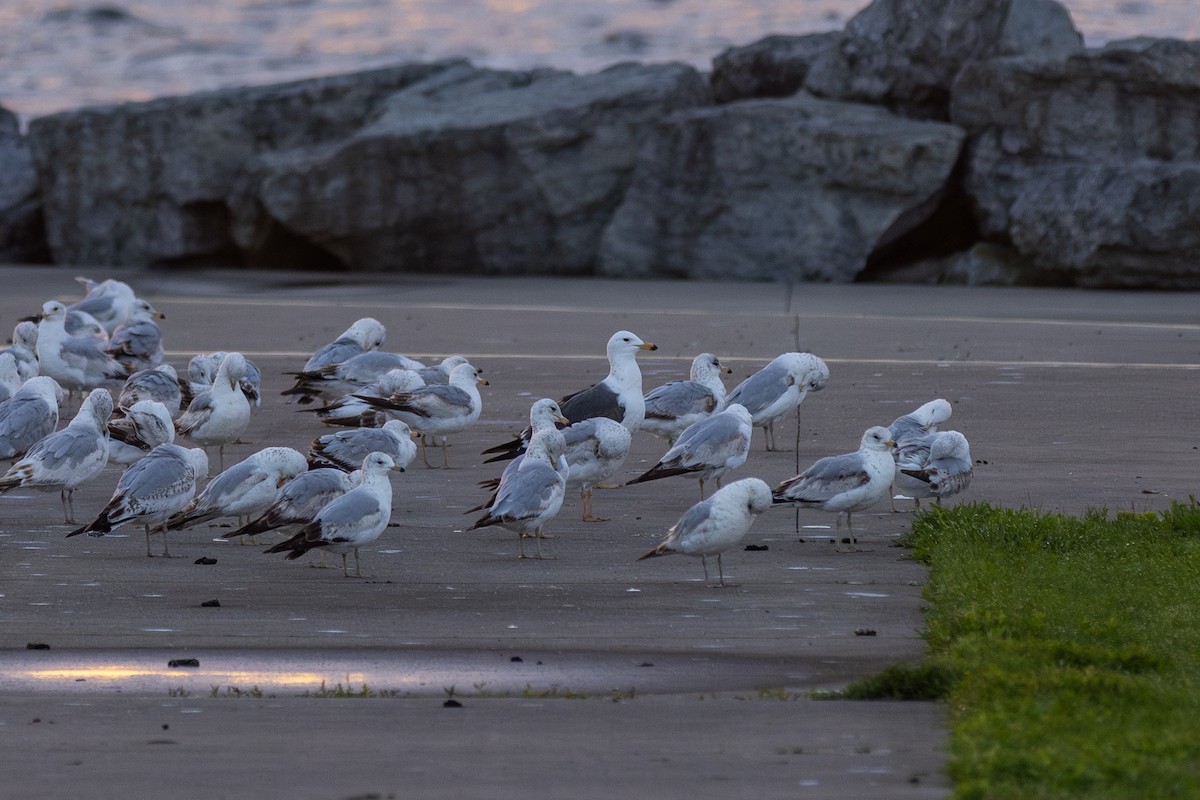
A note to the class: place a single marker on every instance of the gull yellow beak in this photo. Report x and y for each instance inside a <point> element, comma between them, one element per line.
<point>483,382</point>
<point>564,421</point>
<point>647,346</point>
<point>727,370</point>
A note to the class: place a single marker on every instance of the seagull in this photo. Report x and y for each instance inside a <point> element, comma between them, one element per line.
<point>107,301</point>
<point>945,470</point>
<point>911,432</point>
<point>846,483</point>
<point>137,343</point>
<point>219,415</point>
<point>346,449</point>
<point>299,500</point>
<point>76,363</point>
<point>440,373</point>
<point>151,490</point>
<point>68,458</point>
<point>618,396</point>
<point>244,490</point>
<point>359,372</point>
<point>10,378</point>
<point>707,449</point>
<point>672,407</point>
<point>202,371</point>
<point>363,336</point>
<point>144,425</point>
<point>24,349</point>
<point>437,410</point>
<point>544,414</point>
<point>531,495</point>
<point>352,411</point>
<point>351,521</point>
<point>717,524</point>
<point>82,325</point>
<point>160,383</point>
<point>29,416</point>
<point>778,388</point>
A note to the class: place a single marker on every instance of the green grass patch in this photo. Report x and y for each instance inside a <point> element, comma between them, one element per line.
<point>1067,649</point>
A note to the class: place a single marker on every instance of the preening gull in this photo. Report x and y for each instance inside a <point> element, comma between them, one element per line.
<point>345,450</point>
<point>29,416</point>
<point>675,405</point>
<point>140,428</point>
<point>151,490</point>
<point>333,381</point>
<point>618,396</point>
<point>137,342</point>
<point>299,500</point>
<point>363,336</point>
<point>244,490</point>
<point>353,520</point>
<point>717,524</point>
<point>532,494</point>
<point>911,433</point>
<point>707,449</point>
<point>945,470</point>
<point>76,363</point>
<point>845,483</point>
<point>68,458</point>
<point>202,372</point>
<point>219,415</point>
<point>779,388</point>
<point>437,410</point>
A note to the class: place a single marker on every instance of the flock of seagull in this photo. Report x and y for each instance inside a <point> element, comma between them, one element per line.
<point>388,407</point>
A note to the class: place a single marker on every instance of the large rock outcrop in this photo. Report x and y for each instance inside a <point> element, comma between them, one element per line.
<point>22,238</point>
<point>906,53</point>
<point>1090,166</point>
<point>479,174</point>
<point>172,180</point>
<point>793,189</point>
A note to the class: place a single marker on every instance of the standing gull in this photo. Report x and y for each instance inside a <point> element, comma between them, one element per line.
<point>717,524</point>
<point>29,416</point>
<point>544,414</point>
<point>707,449</point>
<point>151,490</point>
<point>778,388</point>
<point>675,405</point>
<point>345,450</point>
<point>596,449</point>
<point>202,373</point>
<point>531,495</point>
<point>76,363</point>
<point>437,410</point>
<point>244,490</point>
<point>24,349</point>
<point>220,415</point>
<point>618,396</point>
<point>68,458</point>
<point>846,483</point>
<point>353,520</point>
<point>945,470</point>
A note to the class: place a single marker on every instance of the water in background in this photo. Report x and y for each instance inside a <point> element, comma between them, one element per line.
<point>60,54</point>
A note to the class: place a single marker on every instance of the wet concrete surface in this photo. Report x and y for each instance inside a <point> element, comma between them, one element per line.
<point>587,674</point>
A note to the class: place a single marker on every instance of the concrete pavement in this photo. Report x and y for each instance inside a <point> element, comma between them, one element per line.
<point>589,674</point>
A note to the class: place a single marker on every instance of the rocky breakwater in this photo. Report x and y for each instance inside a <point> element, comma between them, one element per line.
<point>958,140</point>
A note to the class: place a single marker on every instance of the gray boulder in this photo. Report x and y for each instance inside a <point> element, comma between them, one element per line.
<point>1090,166</point>
<point>792,189</point>
<point>22,238</point>
<point>173,180</point>
<point>772,67</point>
<point>906,53</point>
<point>471,172</point>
